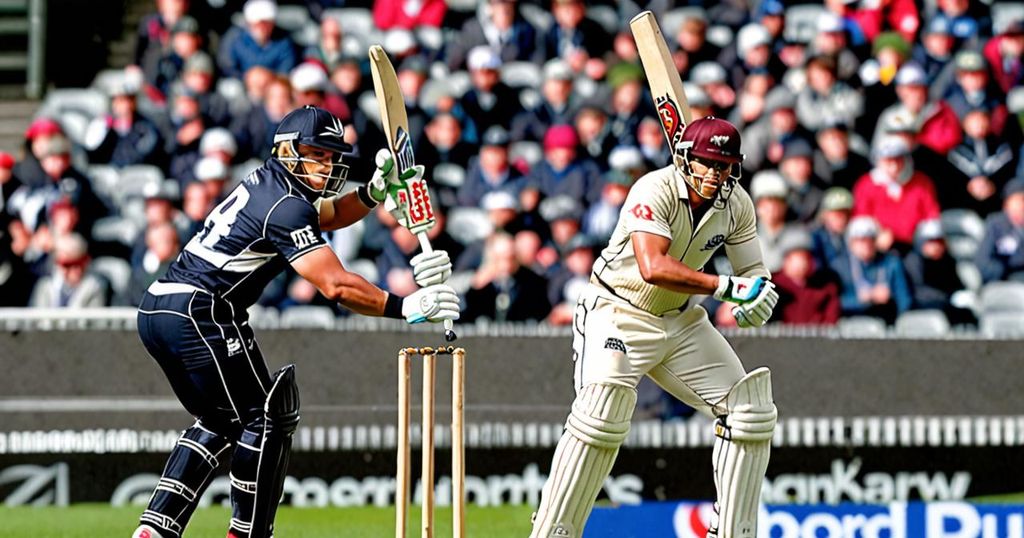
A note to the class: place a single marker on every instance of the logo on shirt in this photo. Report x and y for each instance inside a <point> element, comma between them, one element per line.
<point>615,344</point>
<point>713,243</point>
<point>234,346</point>
<point>303,237</point>
<point>642,211</point>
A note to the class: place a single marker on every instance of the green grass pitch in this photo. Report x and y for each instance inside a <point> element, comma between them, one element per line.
<point>95,520</point>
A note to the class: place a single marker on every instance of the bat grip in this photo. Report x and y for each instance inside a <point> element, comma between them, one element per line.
<point>449,331</point>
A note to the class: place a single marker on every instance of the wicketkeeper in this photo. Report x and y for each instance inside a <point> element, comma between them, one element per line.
<point>193,321</point>
<point>639,316</point>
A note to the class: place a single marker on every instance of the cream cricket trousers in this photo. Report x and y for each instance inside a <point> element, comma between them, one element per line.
<point>617,343</point>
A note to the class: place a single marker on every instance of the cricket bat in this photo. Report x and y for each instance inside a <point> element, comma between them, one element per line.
<point>411,201</point>
<point>662,78</point>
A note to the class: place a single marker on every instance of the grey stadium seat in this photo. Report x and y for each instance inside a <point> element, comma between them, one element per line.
<point>922,323</point>
<point>802,21</point>
<point>135,180</point>
<point>1002,325</point>
<point>1003,297</point>
<point>86,101</point>
<point>291,18</point>
<point>606,16</point>
<point>862,327</point>
<point>540,18</point>
<point>117,271</point>
<point>964,230</point>
<point>307,317</point>
<point>116,229</point>
<point>263,317</point>
<point>522,75</point>
<point>672,20</point>
<point>449,175</point>
<point>529,151</point>
<point>355,21</point>
<point>468,225</point>
<point>1003,13</point>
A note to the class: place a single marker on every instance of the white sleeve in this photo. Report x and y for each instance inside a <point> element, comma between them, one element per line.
<point>742,247</point>
<point>648,208</point>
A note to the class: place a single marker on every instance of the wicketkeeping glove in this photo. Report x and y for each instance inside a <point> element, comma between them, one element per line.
<point>431,268</point>
<point>385,176</point>
<point>433,303</point>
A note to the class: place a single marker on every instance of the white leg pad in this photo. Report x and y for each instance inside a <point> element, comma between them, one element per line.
<point>740,459</point>
<point>596,427</point>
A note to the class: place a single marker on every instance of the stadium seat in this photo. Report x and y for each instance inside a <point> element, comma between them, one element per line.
<point>239,171</point>
<point>307,36</point>
<point>135,180</point>
<point>922,323</point>
<point>434,89</point>
<point>539,17</point>
<point>531,152</point>
<point>364,268</point>
<point>264,317</point>
<point>88,102</point>
<point>522,75</point>
<point>449,175</point>
<point>969,274</point>
<point>291,17</point>
<point>74,123</point>
<point>107,79</point>
<point>1003,13</point>
<point>307,317</point>
<point>862,327</point>
<point>672,20</point>
<point>368,104</point>
<point>233,90</point>
<point>964,230</point>
<point>1003,297</point>
<point>586,88</point>
<point>529,98</point>
<point>468,225</point>
<point>105,181</point>
<point>1002,325</point>
<point>460,82</point>
<point>606,16</point>
<point>802,21</point>
<point>116,230</point>
<point>355,21</point>
<point>116,270</point>
<point>720,35</point>
<point>429,37</point>
<point>465,6</point>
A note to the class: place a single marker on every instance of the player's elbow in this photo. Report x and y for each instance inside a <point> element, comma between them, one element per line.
<point>649,270</point>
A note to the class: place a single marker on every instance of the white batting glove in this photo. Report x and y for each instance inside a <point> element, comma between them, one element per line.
<point>433,303</point>
<point>740,290</point>
<point>385,175</point>
<point>431,268</point>
<point>757,312</point>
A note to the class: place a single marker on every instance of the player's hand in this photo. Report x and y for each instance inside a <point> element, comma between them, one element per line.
<point>433,303</point>
<point>757,312</point>
<point>431,268</point>
<point>742,290</point>
<point>386,178</point>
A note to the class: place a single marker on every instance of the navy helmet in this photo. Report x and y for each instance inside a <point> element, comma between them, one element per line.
<point>316,127</point>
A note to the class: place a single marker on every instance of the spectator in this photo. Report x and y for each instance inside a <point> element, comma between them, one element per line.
<point>310,88</point>
<point>259,43</point>
<point>256,80</point>
<point>64,182</point>
<point>831,40</point>
<point>186,126</point>
<point>936,123</point>
<point>501,27</point>
<point>72,284</point>
<point>444,144</point>
<point>196,204</point>
<point>159,208</point>
<point>125,137</point>
<point>254,132</point>
<point>595,134</point>
<point>825,98</point>
<point>753,49</point>
<point>829,235</point>
<point>878,76</point>
<point>797,169</point>
<point>328,50</point>
<point>713,79</point>
<point>751,99</point>
<point>197,78</point>
<point>161,248</point>
<point>627,107</point>
<point>764,139</point>
<point>769,192</point>
<point>1000,255</point>
<point>8,185</point>
<point>973,87</point>
<point>491,171</point>
<point>692,46</point>
<point>932,274</point>
<point>563,214</point>
<point>651,141</point>
<point>392,14</point>
<point>873,283</point>
<point>984,163</point>
<point>574,37</point>
<point>220,144</point>
<point>502,289</point>
<point>601,218</point>
<point>561,172</point>
<point>154,32</point>
<point>808,293</point>
<point>557,107</point>
<point>834,161</point>
<point>571,278</point>
<point>214,175</point>
<point>926,160</point>
<point>412,74</point>
<point>1005,55</point>
<point>186,42</point>
<point>934,53</point>
<point>29,171</point>
<point>963,23</point>
<point>895,195</point>
<point>489,102</point>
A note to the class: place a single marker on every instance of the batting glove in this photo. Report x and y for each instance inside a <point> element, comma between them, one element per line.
<point>385,177</point>
<point>757,312</point>
<point>740,290</point>
<point>433,303</point>
<point>431,268</point>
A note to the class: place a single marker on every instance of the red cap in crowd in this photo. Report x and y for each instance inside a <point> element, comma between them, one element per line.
<point>43,126</point>
<point>560,136</point>
<point>6,160</point>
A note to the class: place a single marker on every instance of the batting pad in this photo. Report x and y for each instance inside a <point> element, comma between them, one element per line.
<point>741,454</point>
<point>596,427</point>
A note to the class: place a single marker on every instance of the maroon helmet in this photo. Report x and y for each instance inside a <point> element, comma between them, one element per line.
<point>709,139</point>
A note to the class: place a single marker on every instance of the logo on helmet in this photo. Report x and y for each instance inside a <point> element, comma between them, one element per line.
<point>336,129</point>
<point>720,140</point>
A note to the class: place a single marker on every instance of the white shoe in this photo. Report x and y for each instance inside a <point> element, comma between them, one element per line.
<point>145,531</point>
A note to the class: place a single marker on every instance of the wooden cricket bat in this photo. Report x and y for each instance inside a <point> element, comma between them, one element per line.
<point>662,78</point>
<point>413,207</point>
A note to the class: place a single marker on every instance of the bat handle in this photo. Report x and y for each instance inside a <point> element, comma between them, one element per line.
<point>449,331</point>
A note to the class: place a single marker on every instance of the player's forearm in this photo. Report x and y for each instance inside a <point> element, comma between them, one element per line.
<point>667,272</point>
<point>348,209</point>
<point>358,295</point>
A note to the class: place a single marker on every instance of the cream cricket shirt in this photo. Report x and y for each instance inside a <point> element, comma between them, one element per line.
<point>658,204</point>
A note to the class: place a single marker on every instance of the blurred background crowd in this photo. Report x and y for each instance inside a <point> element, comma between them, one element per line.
<point>882,140</point>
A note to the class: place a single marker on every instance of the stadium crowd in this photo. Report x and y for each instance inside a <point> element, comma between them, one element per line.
<point>882,142</point>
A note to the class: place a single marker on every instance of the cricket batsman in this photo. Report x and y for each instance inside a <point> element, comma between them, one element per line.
<point>639,316</point>
<point>193,321</point>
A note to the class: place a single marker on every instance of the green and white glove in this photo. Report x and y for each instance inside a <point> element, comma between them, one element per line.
<point>756,298</point>
<point>433,303</point>
<point>430,268</point>
<point>385,177</point>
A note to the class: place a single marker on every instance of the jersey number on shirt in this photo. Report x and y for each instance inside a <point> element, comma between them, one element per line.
<point>220,220</point>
